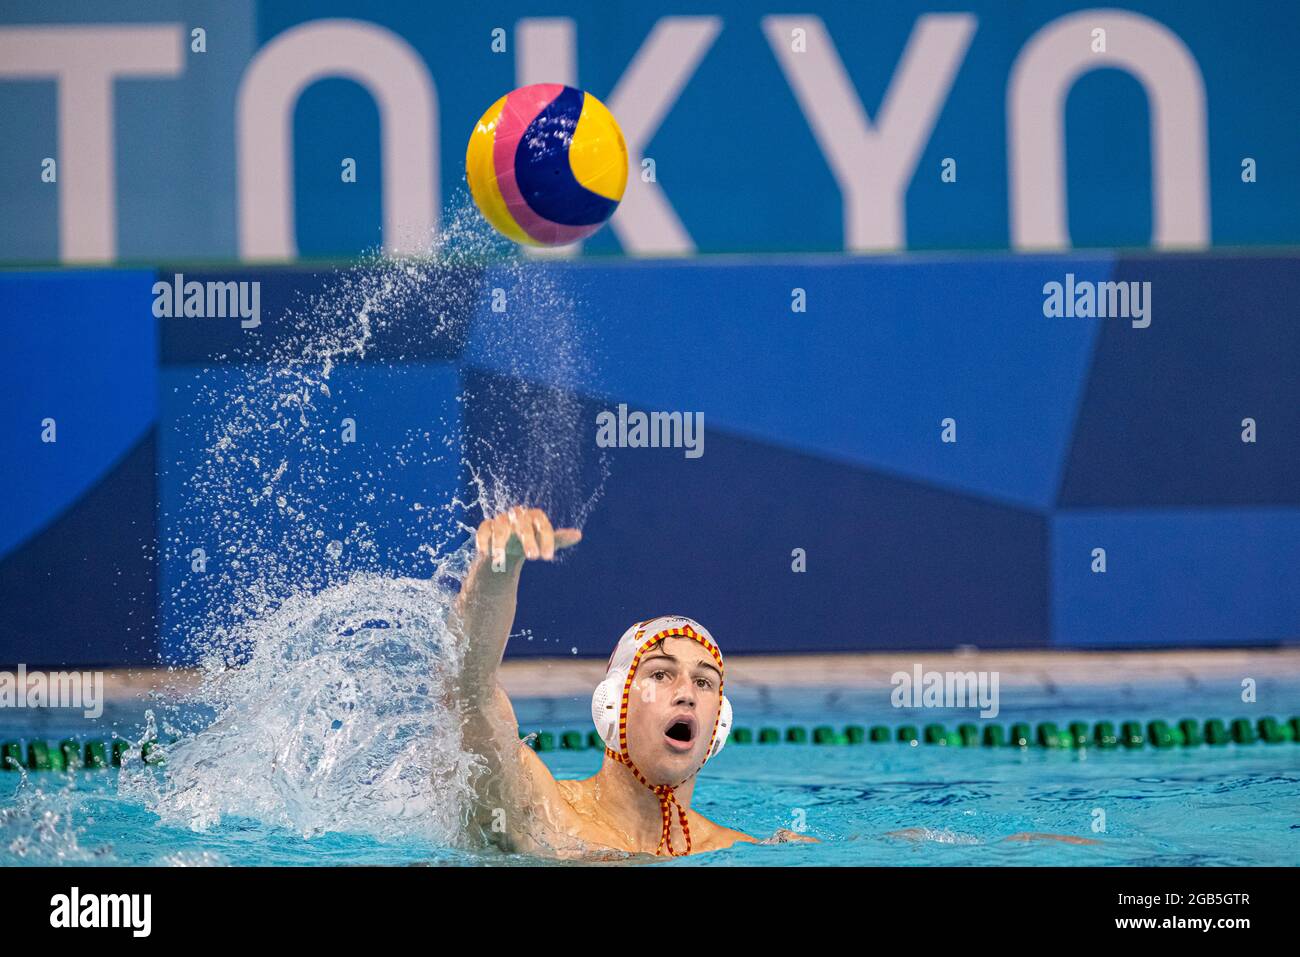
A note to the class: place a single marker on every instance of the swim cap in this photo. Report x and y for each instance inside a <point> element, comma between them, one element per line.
<point>609,704</point>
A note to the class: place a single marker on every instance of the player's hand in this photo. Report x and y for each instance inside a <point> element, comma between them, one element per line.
<point>522,532</point>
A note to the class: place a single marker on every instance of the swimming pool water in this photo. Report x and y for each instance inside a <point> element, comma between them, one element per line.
<point>1227,805</point>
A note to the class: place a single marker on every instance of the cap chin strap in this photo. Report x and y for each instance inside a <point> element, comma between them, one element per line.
<point>667,796</point>
<point>666,793</point>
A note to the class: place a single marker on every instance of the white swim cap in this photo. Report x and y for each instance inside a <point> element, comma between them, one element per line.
<point>609,702</point>
<point>609,705</point>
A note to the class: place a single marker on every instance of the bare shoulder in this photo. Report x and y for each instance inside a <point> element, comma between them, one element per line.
<point>573,791</point>
<point>552,825</point>
<point>541,783</point>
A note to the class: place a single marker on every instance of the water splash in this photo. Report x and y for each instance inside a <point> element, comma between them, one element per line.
<point>39,828</point>
<point>343,719</point>
<point>322,628</point>
<point>277,502</point>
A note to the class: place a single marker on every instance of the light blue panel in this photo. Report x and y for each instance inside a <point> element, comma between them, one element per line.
<point>1176,577</point>
<point>886,350</point>
<point>81,348</point>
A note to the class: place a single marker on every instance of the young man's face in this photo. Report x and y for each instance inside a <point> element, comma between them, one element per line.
<point>674,702</point>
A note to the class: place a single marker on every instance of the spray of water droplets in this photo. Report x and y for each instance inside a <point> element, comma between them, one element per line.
<point>320,615</point>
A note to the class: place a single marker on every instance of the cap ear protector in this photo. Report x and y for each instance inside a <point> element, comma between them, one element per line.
<point>607,700</point>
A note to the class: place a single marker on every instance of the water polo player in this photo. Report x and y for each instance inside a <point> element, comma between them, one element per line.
<point>661,712</point>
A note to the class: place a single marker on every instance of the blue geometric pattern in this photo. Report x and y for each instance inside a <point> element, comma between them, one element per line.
<point>822,433</point>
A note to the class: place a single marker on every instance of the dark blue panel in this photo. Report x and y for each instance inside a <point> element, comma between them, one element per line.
<point>1160,422</point>
<point>378,497</point>
<point>83,591</point>
<point>891,563</point>
<point>423,315</point>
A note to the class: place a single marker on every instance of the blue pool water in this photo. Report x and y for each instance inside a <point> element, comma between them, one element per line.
<point>1227,805</point>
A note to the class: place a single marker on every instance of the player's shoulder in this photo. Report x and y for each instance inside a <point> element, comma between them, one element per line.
<point>537,775</point>
<point>562,796</point>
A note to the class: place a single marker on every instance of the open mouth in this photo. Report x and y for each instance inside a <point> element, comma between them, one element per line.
<point>680,733</point>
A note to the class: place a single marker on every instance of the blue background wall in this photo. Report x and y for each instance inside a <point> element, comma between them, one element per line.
<point>821,428</point>
<point>738,162</point>
<point>821,432</point>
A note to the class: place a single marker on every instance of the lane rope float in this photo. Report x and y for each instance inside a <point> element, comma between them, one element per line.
<point>1103,735</point>
<point>94,754</point>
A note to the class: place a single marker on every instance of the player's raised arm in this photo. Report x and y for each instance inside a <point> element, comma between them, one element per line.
<point>485,613</point>
<point>486,606</point>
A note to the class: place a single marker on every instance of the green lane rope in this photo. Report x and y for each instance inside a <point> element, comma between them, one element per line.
<point>1103,735</point>
<point>73,755</point>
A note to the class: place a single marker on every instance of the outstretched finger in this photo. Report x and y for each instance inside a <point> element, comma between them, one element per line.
<point>564,537</point>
